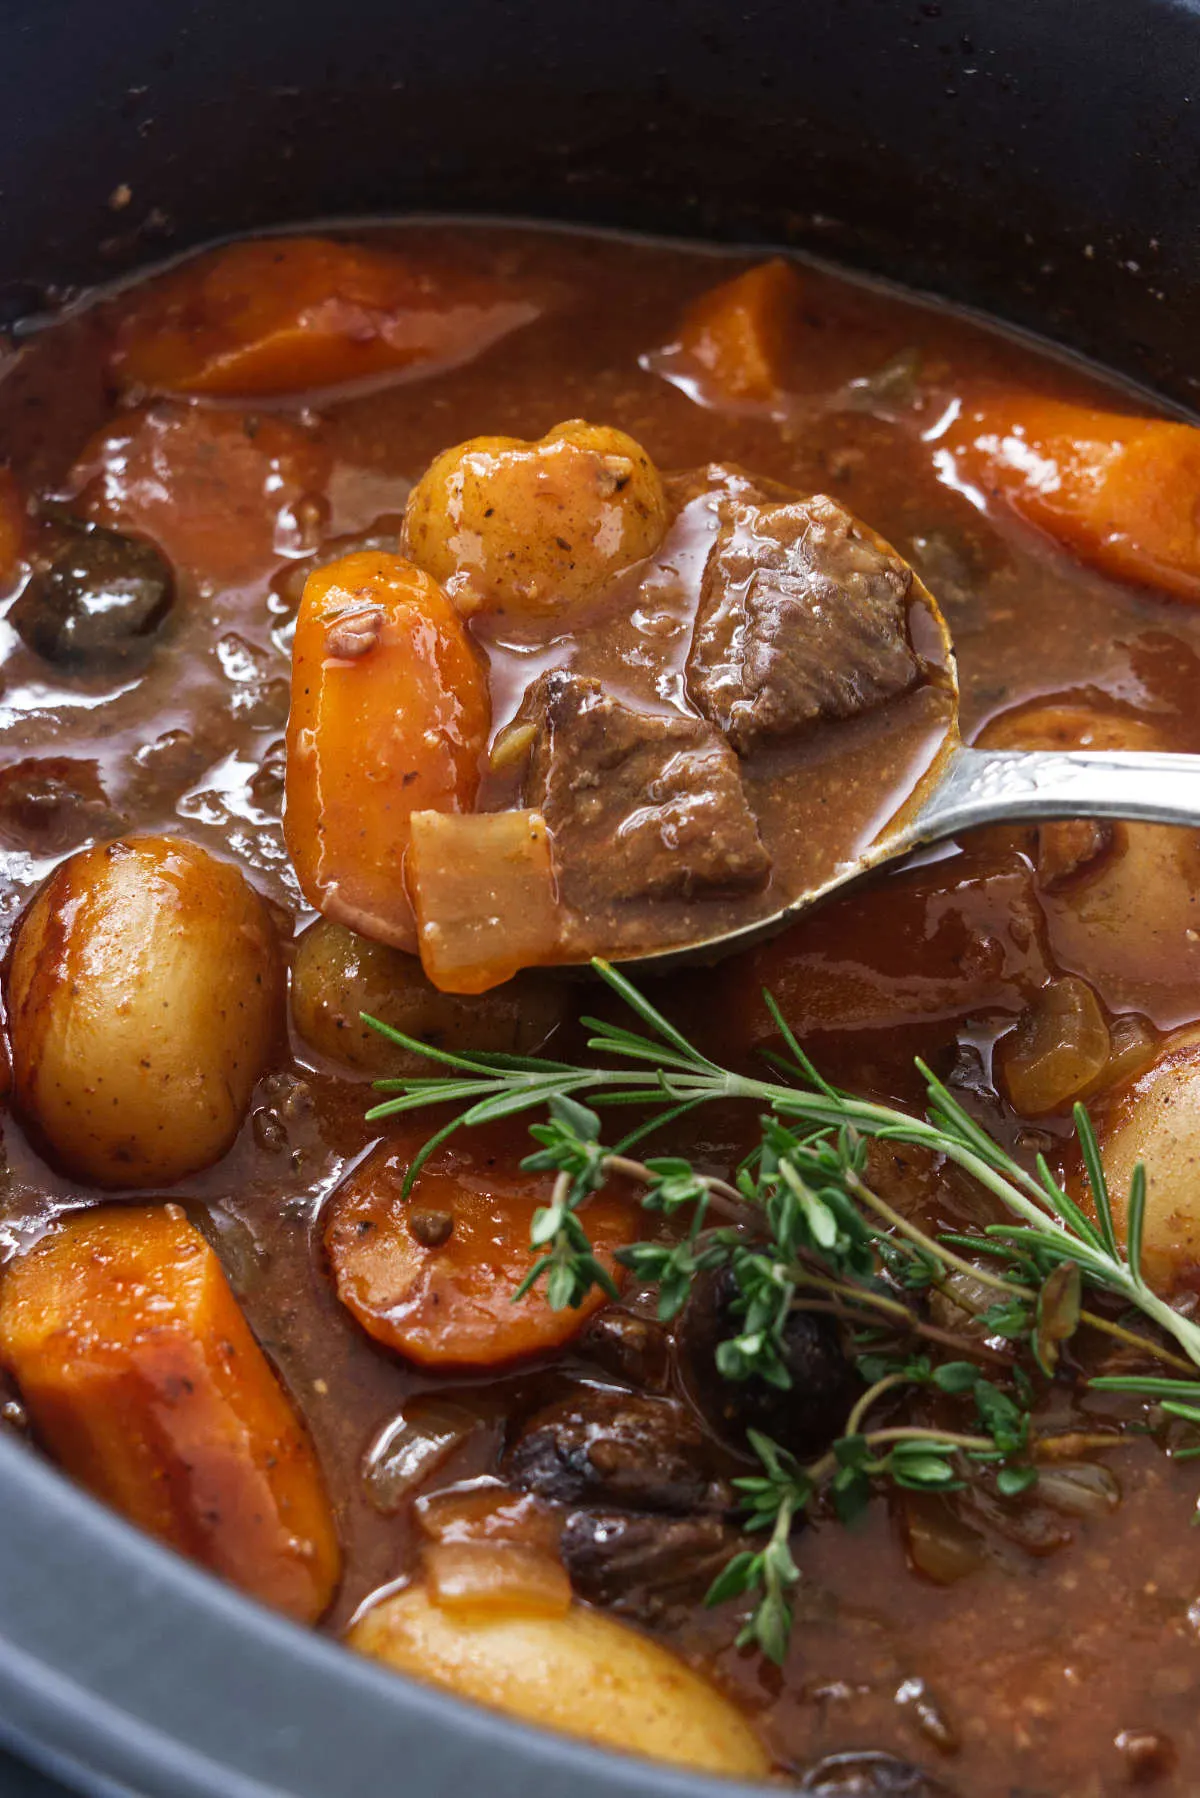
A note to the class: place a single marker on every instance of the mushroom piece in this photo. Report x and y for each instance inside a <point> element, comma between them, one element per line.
<point>103,595</point>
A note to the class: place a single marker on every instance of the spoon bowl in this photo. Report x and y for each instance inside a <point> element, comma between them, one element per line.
<point>963,788</point>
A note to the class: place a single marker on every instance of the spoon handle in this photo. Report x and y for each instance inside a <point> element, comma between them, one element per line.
<point>997,786</point>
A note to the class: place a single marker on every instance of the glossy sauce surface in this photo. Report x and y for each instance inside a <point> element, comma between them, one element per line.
<point>1021,1677</point>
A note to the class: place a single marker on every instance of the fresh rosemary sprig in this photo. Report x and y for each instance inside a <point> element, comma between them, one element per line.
<point>669,1072</point>
<point>802,1228</point>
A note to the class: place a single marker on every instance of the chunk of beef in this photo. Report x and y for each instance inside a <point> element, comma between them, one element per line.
<point>49,804</point>
<point>631,1348</point>
<point>802,616</point>
<point>603,1447</point>
<point>102,594</point>
<point>640,806</point>
<point>1069,848</point>
<point>642,1564</point>
<point>806,1416</point>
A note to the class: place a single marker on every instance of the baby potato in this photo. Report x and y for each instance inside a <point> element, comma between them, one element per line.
<point>144,992</point>
<point>535,529</point>
<point>1122,902</point>
<point>1154,1118</point>
<point>337,975</point>
<point>582,1673</point>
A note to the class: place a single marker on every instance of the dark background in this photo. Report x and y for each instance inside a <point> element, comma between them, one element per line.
<point>1036,157</point>
<point>18,1781</point>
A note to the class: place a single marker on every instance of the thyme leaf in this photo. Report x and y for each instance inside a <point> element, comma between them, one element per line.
<point>821,1239</point>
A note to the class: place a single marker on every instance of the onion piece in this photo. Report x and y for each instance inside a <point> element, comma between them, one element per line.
<point>959,1299</point>
<point>497,1577</point>
<point>1060,1047</point>
<point>1080,1488</point>
<point>940,1545</point>
<point>1134,1040</point>
<point>482,886</point>
<point>407,1450</point>
<point>486,1511</point>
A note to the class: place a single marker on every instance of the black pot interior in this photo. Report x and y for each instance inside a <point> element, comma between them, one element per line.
<point>1038,159</point>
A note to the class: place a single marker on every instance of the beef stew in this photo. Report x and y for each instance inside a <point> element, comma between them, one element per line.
<point>960,1639</point>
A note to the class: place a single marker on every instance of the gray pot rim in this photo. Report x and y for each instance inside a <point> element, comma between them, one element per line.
<point>126,1669</point>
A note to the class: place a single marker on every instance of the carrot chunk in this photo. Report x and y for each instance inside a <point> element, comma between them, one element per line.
<point>482,887</point>
<point>218,492</point>
<point>287,314</point>
<point>390,715</point>
<point>12,527</point>
<point>1122,493</point>
<point>144,1382</point>
<point>737,333</point>
<point>433,1275</point>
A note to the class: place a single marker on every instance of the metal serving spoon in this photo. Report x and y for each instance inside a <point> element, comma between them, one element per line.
<point>1004,786</point>
<point>964,788</point>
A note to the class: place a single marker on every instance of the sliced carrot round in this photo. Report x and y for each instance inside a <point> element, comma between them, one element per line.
<point>286,314</point>
<point>433,1275</point>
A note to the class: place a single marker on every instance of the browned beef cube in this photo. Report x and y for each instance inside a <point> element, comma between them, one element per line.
<point>605,1447</point>
<point>640,806</point>
<point>643,1564</point>
<point>802,616</point>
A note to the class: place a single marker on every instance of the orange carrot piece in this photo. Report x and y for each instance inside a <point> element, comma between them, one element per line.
<point>12,527</point>
<point>217,491</point>
<point>449,1304</point>
<point>143,1380</point>
<point>482,886</point>
<point>1122,493</point>
<point>284,315</point>
<point>390,715</point>
<point>737,333</point>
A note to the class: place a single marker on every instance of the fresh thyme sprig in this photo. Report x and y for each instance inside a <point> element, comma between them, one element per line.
<point>668,1072</point>
<point>819,1238</point>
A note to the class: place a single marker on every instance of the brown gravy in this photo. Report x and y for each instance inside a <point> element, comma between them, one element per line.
<point>1023,1677</point>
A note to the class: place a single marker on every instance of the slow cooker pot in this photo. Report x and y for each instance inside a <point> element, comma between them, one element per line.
<point>1039,158</point>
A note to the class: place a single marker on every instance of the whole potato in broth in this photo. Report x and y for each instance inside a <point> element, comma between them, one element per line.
<point>583,1673</point>
<point>1154,1118</point>
<point>1121,901</point>
<point>531,529</point>
<point>144,991</point>
<point>337,975</point>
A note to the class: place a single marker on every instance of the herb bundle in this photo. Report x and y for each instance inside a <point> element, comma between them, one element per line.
<point>801,1227</point>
